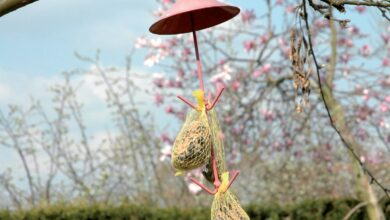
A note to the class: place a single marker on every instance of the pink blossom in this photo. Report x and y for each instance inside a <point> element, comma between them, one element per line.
<point>237,130</point>
<point>222,37</point>
<point>365,50</point>
<point>383,107</point>
<point>386,82</point>
<point>363,112</point>
<point>197,174</point>
<point>158,99</point>
<point>327,157</point>
<point>164,137</point>
<point>152,59</point>
<point>170,83</point>
<point>141,42</point>
<point>284,47</point>
<point>266,68</point>
<point>194,72</point>
<point>220,85</point>
<point>169,110</point>
<point>249,45</point>
<point>321,23</point>
<point>158,80</point>
<point>156,43</point>
<point>172,42</point>
<point>346,42</point>
<point>386,38</point>
<point>385,62</point>
<point>346,70</point>
<point>180,73</point>
<point>290,9</point>
<point>257,73</point>
<point>361,9</point>
<point>221,62</point>
<point>276,146</point>
<point>279,2</point>
<point>185,53</point>
<point>282,42</point>
<point>354,30</point>
<point>383,123</point>
<point>289,143</point>
<point>358,89</point>
<point>362,134</point>
<point>224,75</point>
<point>236,85</point>
<point>181,115</point>
<point>159,12</point>
<point>264,38</point>
<point>178,83</point>
<point>366,91</point>
<point>267,114</point>
<point>194,189</point>
<point>228,119</point>
<point>345,57</point>
<point>248,16</point>
<point>387,98</point>
<point>375,158</point>
<point>166,152</point>
<point>366,94</point>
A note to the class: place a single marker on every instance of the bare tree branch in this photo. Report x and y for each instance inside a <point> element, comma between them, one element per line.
<point>7,6</point>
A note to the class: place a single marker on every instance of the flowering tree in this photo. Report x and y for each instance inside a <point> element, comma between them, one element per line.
<point>269,76</point>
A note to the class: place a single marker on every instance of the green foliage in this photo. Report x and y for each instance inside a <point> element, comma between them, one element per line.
<point>325,209</point>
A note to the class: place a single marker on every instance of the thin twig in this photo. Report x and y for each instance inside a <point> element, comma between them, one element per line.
<point>354,209</point>
<point>356,156</point>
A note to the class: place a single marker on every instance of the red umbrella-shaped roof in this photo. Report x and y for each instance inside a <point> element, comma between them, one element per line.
<point>193,15</point>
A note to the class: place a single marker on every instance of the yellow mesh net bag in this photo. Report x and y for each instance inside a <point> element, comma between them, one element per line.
<point>219,153</point>
<point>225,205</point>
<point>192,149</point>
<point>192,146</point>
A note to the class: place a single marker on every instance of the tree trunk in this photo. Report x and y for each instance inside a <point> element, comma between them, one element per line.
<point>7,6</point>
<point>365,191</point>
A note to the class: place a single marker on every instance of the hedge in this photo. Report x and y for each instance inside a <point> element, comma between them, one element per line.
<point>326,209</point>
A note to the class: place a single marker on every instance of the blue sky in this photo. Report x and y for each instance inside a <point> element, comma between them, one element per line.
<point>40,39</point>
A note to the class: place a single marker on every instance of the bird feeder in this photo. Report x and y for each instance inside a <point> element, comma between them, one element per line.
<point>190,16</point>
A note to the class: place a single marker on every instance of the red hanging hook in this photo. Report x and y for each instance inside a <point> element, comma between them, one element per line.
<point>208,107</point>
<point>217,182</point>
